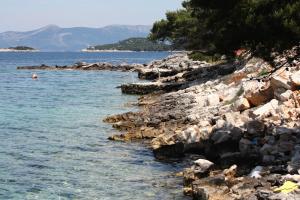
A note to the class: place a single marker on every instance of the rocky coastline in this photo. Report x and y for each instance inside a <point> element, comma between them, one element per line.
<point>237,123</point>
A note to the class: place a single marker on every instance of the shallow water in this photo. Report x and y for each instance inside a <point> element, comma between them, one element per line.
<point>53,144</point>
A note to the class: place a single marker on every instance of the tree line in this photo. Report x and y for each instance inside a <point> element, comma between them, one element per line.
<point>224,26</point>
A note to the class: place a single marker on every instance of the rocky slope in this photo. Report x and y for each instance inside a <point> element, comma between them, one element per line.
<point>242,119</point>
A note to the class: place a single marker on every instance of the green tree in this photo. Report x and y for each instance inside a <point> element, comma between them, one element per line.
<point>222,26</point>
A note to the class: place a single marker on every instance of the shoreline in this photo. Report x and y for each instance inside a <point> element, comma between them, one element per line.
<point>239,135</point>
<point>246,143</point>
<point>13,50</point>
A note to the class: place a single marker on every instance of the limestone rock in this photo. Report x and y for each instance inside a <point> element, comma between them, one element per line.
<point>213,100</point>
<point>202,165</point>
<point>242,104</point>
<point>295,78</point>
<point>258,93</point>
<point>267,109</point>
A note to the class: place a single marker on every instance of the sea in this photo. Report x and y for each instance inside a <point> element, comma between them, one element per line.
<point>53,143</point>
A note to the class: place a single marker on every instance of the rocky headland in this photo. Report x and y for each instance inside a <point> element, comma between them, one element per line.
<point>237,123</point>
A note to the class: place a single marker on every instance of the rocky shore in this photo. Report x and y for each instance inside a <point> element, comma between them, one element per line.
<point>235,123</point>
<point>238,123</point>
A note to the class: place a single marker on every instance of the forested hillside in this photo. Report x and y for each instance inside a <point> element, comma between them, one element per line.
<point>133,44</point>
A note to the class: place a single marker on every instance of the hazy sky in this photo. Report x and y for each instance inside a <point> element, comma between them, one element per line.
<point>23,15</point>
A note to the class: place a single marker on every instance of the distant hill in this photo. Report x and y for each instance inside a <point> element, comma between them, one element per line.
<point>132,44</point>
<point>22,48</point>
<point>54,38</point>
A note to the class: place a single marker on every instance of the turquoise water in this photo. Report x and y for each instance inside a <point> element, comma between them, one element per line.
<point>53,144</point>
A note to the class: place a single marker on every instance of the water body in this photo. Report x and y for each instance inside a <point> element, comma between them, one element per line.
<point>53,143</point>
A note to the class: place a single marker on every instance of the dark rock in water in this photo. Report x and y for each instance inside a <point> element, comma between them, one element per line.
<point>176,150</point>
<point>86,66</point>
<point>147,88</point>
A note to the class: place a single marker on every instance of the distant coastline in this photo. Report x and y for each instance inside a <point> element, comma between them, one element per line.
<point>13,50</point>
<point>18,49</point>
<point>108,50</point>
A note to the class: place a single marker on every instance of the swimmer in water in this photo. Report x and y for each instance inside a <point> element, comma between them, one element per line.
<point>34,76</point>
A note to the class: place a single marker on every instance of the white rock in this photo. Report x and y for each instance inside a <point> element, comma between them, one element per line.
<point>296,78</point>
<point>286,95</point>
<point>242,104</point>
<point>204,165</point>
<point>213,100</point>
<point>267,109</point>
<point>256,172</point>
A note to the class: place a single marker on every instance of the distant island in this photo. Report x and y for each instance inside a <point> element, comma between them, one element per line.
<point>18,49</point>
<point>131,44</point>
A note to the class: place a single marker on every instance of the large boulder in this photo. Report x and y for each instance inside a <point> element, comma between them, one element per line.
<point>258,93</point>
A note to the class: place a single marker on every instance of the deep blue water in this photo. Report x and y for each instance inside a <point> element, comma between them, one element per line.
<point>53,143</point>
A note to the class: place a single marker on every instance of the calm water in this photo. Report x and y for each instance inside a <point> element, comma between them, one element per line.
<point>53,144</point>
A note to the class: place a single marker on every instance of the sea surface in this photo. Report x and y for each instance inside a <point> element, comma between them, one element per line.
<point>53,143</point>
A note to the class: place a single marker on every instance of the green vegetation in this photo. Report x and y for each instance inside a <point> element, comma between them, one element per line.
<point>223,26</point>
<point>134,44</point>
<point>22,48</point>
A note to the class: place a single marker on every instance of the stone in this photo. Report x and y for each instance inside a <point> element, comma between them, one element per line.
<point>278,81</point>
<point>258,93</point>
<point>255,127</point>
<point>295,78</point>
<point>256,172</point>
<point>286,95</point>
<point>202,165</point>
<point>294,178</point>
<point>231,172</point>
<point>266,149</point>
<point>245,146</point>
<point>213,100</point>
<point>267,109</point>
<point>268,159</point>
<point>242,104</point>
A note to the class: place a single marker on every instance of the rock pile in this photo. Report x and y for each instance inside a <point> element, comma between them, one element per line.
<point>245,123</point>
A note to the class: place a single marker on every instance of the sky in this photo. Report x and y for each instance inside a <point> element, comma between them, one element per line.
<point>24,15</point>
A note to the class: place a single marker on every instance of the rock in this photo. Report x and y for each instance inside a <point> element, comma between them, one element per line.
<point>268,159</point>
<point>255,127</point>
<point>258,93</point>
<point>231,172</point>
<point>242,104</point>
<point>286,95</point>
<point>213,100</point>
<point>294,178</point>
<point>256,172</point>
<point>245,146</point>
<point>267,109</point>
<point>294,165</point>
<point>202,165</point>
<point>267,149</point>
<point>295,78</point>
<point>281,79</point>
